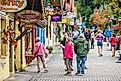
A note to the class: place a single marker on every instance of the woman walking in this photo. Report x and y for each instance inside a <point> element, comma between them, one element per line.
<point>68,55</point>
<point>113,41</point>
<point>99,38</point>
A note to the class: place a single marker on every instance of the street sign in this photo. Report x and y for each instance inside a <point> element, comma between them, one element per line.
<point>12,5</point>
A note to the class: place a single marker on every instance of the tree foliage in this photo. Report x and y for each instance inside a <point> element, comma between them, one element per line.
<point>106,9</point>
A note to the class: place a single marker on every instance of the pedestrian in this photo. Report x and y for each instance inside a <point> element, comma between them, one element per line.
<point>113,40</point>
<point>92,39</point>
<point>80,49</point>
<point>68,55</point>
<point>108,34</point>
<point>87,35</point>
<point>62,44</point>
<point>99,38</point>
<point>75,34</point>
<point>119,45</point>
<point>41,54</point>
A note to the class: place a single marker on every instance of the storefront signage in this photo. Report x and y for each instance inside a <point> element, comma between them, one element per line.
<point>56,17</point>
<point>64,20</point>
<point>28,16</point>
<point>12,5</point>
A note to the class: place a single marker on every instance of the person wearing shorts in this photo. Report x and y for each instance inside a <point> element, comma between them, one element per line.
<point>99,38</point>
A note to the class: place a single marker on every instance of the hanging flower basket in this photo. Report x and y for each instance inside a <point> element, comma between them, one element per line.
<point>4,40</point>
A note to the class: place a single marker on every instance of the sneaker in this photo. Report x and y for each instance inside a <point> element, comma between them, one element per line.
<point>82,74</point>
<point>66,70</point>
<point>72,70</point>
<point>45,71</point>
<point>100,55</point>
<point>113,55</point>
<point>86,68</point>
<point>38,71</point>
<point>68,73</point>
<point>77,73</point>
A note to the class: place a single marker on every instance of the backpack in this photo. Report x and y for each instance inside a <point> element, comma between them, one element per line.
<point>82,49</point>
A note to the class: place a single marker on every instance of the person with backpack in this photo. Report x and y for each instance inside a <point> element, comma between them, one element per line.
<point>99,37</point>
<point>113,40</point>
<point>80,49</point>
<point>41,53</point>
<point>108,34</point>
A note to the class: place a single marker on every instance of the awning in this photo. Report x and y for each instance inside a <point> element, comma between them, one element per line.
<point>42,23</point>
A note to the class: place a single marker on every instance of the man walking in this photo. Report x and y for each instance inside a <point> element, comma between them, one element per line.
<point>80,48</point>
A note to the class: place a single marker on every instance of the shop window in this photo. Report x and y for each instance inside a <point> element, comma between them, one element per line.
<point>28,45</point>
<point>3,43</point>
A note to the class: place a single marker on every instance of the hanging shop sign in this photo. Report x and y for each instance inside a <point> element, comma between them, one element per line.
<point>64,20</point>
<point>28,16</point>
<point>12,5</point>
<point>56,17</point>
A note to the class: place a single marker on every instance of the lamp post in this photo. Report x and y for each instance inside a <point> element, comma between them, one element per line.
<point>49,10</point>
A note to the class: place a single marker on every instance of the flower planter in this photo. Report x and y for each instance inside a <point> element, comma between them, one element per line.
<point>50,49</point>
<point>4,41</point>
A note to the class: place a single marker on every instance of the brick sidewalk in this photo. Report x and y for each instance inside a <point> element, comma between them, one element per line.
<point>30,70</point>
<point>99,69</point>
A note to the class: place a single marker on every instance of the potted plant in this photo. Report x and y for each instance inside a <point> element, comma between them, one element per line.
<point>50,49</point>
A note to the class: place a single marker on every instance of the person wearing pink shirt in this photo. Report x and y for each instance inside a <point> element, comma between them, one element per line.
<point>68,55</point>
<point>40,53</point>
<point>99,37</point>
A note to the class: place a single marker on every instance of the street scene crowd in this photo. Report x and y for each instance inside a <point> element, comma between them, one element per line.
<point>79,42</point>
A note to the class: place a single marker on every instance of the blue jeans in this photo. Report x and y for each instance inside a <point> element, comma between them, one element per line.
<point>81,64</point>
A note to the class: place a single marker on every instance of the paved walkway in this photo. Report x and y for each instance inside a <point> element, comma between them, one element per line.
<point>99,69</point>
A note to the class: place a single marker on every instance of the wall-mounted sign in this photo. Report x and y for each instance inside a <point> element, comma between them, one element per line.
<point>12,5</point>
<point>56,17</point>
<point>64,20</point>
<point>28,16</point>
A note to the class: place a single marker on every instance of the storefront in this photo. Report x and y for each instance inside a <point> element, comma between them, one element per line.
<point>7,52</point>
